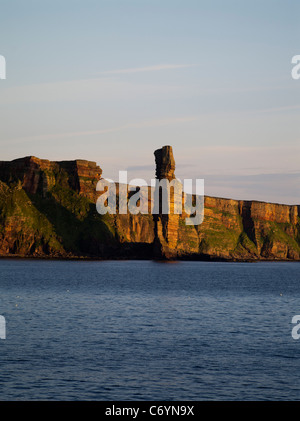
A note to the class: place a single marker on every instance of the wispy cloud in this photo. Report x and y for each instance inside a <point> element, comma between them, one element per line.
<point>140,167</point>
<point>98,88</point>
<point>137,125</point>
<point>283,108</point>
<point>155,68</point>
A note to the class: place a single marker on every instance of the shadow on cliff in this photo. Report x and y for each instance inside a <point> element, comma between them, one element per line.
<point>247,221</point>
<point>90,236</point>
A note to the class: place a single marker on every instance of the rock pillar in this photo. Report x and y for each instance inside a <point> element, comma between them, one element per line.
<point>166,223</point>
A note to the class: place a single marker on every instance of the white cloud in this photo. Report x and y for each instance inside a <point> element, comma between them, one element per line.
<point>96,88</point>
<point>275,109</point>
<point>87,90</point>
<point>137,125</point>
<point>146,69</point>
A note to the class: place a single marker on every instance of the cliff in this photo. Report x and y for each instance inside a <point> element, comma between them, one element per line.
<point>40,175</point>
<point>47,209</point>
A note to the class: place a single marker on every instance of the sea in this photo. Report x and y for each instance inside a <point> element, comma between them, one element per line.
<point>147,330</point>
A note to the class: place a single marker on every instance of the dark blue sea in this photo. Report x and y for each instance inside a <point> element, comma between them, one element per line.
<point>144,330</point>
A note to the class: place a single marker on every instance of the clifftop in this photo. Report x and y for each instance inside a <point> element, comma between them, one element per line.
<point>39,175</point>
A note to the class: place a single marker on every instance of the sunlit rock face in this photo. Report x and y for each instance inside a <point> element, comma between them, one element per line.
<point>166,225</point>
<point>47,209</point>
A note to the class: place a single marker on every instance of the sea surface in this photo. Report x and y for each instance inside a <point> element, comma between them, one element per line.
<point>144,330</point>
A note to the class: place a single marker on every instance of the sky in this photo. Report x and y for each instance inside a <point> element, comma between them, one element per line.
<point>112,80</point>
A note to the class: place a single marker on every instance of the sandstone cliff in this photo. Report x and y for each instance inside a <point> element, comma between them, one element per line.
<point>166,224</point>
<point>47,209</point>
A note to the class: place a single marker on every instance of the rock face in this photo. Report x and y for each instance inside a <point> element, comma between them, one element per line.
<point>165,163</point>
<point>40,175</point>
<point>47,209</point>
<point>166,224</point>
<point>241,230</point>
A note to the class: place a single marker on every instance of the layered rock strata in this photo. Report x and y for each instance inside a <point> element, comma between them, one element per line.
<point>47,209</point>
<point>36,175</point>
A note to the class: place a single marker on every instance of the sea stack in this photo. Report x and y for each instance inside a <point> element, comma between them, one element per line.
<point>166,224</point>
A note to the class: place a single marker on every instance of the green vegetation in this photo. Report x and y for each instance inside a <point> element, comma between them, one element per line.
<point>63,222</point>
<point>278,233</point>
<point>247,244</point>
<point>58,221</point>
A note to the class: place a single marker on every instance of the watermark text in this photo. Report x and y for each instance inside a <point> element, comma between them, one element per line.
<point>296,69</point>
<point>2,67</point>
<point>2,327</point>
<point>162,197</point>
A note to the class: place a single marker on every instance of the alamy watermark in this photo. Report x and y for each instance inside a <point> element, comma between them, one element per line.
<point>296,69</point>
<point>295,330</point>
<point>2,327</point>
<point>2,67</point>
<point>161,197</point>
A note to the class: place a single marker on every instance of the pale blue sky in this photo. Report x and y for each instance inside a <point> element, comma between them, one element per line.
<point>112,80</point>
